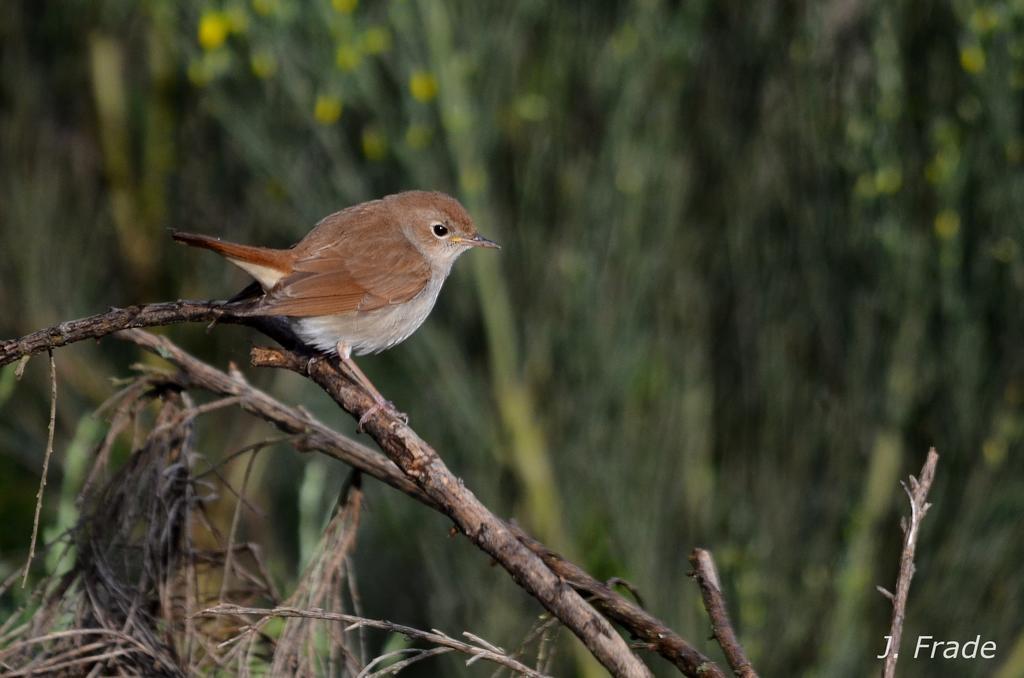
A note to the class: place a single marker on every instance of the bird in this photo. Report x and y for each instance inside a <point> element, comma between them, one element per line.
<point>362,280</point>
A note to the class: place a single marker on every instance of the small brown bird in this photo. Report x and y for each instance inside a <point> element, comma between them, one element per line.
<point>364,278</point>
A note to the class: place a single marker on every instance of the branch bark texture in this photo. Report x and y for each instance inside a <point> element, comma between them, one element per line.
<point>917,492</point>
<point>706,574</point>
<point>421,463</point>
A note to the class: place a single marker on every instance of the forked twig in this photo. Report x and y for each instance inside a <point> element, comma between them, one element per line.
<point>917,492</point>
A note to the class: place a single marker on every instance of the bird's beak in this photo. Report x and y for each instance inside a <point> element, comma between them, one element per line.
<point>480,241</point>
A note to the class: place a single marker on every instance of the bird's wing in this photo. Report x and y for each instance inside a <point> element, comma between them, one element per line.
<point>352,262</point>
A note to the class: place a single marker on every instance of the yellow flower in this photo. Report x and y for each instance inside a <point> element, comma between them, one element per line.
<point>942,167</point>
<point>209,66</point>
<point>984,19</point>
<point>198,73</point>
<point>423,86</point>
<point>375,146</point>
<point>972,59</point>
<point>865,186</point>
<point>237,19</point>
<point>888,180</point>
<point>418,136</point>
<point>263,64</point>
<point>344,6</point>
<point>1005,250</point>
<point>327,109</point>
<point>1014,150</point>
<point>994,451</point>
<point>347,57</point>
<point>532,107</point>
<point>947,224</point>
<point>213,30</point>
<point>625,41</point>
<point>376,40</point>
<point>264,7</point>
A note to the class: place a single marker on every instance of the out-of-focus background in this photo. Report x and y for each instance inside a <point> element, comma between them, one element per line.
<point>758,257</point>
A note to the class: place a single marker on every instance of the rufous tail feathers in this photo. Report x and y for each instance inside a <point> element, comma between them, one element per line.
<point>266,265</point>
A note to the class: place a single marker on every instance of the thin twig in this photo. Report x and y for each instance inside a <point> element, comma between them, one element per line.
<point>706,574</point>
<point>77,633</point>
<point>46,467</point>
<point>226,577</point>
<point>484,651</point>
<point>417,656</point>
<point>55,668</point>
<point>619,581</point>
<point>917,492</point>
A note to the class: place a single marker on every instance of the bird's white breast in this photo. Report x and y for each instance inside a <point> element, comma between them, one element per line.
<point>370,331</point>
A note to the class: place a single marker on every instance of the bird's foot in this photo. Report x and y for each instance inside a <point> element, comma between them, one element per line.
<point>377,406</point>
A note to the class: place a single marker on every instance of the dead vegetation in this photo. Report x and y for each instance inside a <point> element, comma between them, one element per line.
<point>148,585</point>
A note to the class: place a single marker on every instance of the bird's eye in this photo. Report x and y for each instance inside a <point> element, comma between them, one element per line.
<point>440,230</point>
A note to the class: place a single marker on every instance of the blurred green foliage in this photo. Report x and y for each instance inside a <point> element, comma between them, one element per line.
<point>758,257</point>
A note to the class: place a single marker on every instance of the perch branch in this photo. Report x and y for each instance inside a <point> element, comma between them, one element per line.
<point>145,315</point>
<point>482,650</point>
<point>706,574</point>
<point>917,492</point>
<point>424,466</point>
<point>314,436</point>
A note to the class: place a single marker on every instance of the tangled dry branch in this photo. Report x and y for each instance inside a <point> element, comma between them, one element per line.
<point>411,466</point>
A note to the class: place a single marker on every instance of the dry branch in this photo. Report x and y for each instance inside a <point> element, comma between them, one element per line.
<point>423,476</point>
<point>706,574</point>
<point>640,623</point>
<point>314,435</point>
<point>421,463</point>
<point>917,492</point>
<point>102,324</point>
<point>481,650</point>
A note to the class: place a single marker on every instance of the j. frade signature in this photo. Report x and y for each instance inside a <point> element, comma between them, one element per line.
<point>929,648</point>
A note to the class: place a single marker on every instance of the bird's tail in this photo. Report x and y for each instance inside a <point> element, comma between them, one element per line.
<point>268,266</point>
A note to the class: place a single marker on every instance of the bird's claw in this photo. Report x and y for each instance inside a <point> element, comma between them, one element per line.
<point>376,407</point>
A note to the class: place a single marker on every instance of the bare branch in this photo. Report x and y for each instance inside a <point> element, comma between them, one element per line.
<point>421,464</point>
<point>640,623</point>
<point>319,437</point>
<point>482,650</point>
<point>917,492</point>
<point>313,435</point>
<point>102,324</point>
<point>706,574</point>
